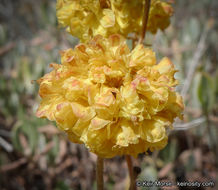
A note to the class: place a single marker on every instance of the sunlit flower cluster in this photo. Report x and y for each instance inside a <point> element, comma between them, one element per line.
<point>113,100</point>
<point>87,18</point>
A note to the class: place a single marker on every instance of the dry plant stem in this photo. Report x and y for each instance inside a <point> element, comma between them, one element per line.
<point>131,173</point>
<point>145,20</point>
<point>195,62</point>
<point>99,173</point>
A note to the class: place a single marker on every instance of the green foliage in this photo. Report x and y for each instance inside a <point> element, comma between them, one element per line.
<point>206,92</point>
<point>28,128</point>
<point>3,34</point>
<point>149,173</point>
<point>170,152</point>
<point>61,185</point>
<point>55,150</point>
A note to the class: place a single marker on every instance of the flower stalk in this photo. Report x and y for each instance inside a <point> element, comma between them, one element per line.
<point>145,20</point>
<point>99,173</point>
<point>131,172</point>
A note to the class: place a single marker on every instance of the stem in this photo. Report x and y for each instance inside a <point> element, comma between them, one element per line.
<point>99,173</point>
<point>145,20</point>
<point>131,173</point>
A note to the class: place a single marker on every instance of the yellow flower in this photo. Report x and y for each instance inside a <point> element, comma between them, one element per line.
<point>113,100</point>
<point>87,18</point>
<point>129,15</point>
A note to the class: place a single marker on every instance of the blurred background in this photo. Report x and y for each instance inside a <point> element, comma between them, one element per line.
<point>35,155</point>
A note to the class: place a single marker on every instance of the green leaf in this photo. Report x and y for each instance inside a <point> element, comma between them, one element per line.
<point>3,36</point>
<point>54,151</point>
<point>206,92</point>
<point>194,28</point>
<point>149,174</point>
<point>61,185</point>
<point>27,129</point>
<point>170,151</point>
<point>191,163</point>
<point>15,136</point>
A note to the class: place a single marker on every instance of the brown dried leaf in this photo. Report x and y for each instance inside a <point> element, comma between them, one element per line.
<point>62,151</point>
<point>49,129</point>
<point>24,144</point>
<point>165,170</point>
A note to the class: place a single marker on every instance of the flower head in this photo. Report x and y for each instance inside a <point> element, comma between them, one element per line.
<point>87,18</point>
<point>113,100</point>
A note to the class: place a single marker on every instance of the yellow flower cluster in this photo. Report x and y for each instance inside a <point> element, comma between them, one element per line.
<point>87,18</point>
<point>113,100</point>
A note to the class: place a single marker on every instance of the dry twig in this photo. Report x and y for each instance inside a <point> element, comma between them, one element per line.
<point>18,163</point>
<point>7,48</point>
<point>195,62</point>
<point>13,165</point>
<point>189,125</point>
<point>8,147</point>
